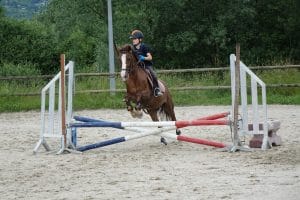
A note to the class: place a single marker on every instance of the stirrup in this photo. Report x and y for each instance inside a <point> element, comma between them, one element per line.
<point>157,92</point>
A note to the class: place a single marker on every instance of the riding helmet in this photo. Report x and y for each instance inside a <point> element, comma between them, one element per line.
<point>136,34</point>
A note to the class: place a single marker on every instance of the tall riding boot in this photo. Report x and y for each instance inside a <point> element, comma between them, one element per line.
<point>156,89</point>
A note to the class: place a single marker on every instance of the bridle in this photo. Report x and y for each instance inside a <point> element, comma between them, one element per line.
<point>127,68</point>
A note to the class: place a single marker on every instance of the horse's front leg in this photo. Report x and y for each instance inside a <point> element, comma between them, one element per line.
<point>131,106</point>
<point>138,102</point>
<point>127,101</point>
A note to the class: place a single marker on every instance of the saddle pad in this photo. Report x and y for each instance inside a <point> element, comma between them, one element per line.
<point>160,84</point>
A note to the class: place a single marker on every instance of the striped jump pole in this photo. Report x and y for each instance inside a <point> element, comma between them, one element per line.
<point>194,140</point>
<point>146,133</point>
<point>141,133</point>
<point>181,123</point>
<point>198,140</point>
<point>86,119</point>
<point>177,124</point>
<point>123,139</point>
<point>210,117</point>
<point>215,116</point>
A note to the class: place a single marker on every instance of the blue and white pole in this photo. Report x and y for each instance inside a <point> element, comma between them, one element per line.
<point>123,139</point>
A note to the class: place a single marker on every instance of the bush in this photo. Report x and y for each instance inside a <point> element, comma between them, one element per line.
<point>24,42</point>
<point>10,69</point>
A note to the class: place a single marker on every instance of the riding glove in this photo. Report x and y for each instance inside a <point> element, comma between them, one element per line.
<point>141,58</point>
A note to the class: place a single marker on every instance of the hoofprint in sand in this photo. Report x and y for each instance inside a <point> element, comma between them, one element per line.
<point>145,168</point>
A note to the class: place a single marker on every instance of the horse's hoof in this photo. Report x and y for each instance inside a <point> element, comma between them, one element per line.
<point>136,113</point>
<point>138,106</point>
<point>129,108</point>
<point>178,132</point>
<point>133,114</point>
<point>163,140</point>
<point>139,114</point>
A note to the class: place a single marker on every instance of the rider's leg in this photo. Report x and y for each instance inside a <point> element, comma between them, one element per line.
<point>156,89</point>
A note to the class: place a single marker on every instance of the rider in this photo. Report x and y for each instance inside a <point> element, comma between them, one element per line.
<point>142,52</point>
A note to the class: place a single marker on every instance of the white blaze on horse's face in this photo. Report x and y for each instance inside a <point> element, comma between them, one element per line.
<point>123,71</point>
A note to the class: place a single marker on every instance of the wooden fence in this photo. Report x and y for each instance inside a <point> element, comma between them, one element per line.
<point>166,72</point>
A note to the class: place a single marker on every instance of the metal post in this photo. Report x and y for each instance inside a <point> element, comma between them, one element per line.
<point>112,83</point>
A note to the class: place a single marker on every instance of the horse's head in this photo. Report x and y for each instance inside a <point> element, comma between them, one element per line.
<point>128,61</point>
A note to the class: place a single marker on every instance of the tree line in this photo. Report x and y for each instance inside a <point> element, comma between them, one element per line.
<point>181,33</point>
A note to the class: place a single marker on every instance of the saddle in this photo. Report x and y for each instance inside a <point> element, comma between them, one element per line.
<point>150,80</point>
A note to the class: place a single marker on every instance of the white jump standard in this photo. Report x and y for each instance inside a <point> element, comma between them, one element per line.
<point>51,121</point>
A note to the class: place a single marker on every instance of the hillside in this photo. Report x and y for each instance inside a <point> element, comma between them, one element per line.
<point>22,9</point>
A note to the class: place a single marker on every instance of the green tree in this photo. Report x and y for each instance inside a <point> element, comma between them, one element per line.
<point>182,33</point>
<point>79,24</point>
<point>24,42</point>
<point>1,11</point>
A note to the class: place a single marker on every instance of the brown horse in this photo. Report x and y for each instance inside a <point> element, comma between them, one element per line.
<point>139,96</point>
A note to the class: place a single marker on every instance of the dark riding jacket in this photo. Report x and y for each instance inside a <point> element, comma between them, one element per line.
<point>143,50</point>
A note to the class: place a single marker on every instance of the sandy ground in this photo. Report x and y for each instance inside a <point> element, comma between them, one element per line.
<point>145,168</point>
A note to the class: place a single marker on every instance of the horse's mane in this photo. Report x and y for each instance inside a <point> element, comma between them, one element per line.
<point>126,48</point>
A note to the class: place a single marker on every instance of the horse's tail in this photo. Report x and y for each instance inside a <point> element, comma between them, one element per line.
<point>166,111</point>
<point>164,115</point>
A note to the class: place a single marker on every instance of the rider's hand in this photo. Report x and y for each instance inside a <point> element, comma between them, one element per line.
<point>141,58</point>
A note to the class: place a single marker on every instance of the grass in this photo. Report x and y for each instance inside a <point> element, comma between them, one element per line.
<point>16,104</point>
<point>291,95</point>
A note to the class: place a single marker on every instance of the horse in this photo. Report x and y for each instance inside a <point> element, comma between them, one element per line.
<point>139,96</point>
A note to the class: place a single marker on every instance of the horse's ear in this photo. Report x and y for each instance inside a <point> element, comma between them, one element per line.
<point>117,50</point>
<point>128,47</point>
<point>131,47</point>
